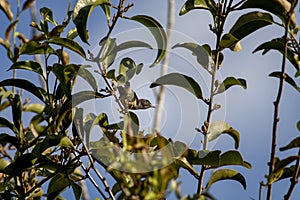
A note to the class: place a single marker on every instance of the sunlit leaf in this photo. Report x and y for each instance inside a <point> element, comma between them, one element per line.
<point>216,128</point>
<point>235,135</point>
<point>229,41</point>
<point>72,34</point>
<point>198,4</point>
<point>226,174</point>
<point>244,26</point>
<point>233,158</point>
<point>186,165</point>
<point>278,44</point>
<point>66,142</point>
<point>158,33</point>
<point>57,184</point>
<point>20,164</point>
<point>279,8</point>
<point>3,164</point>
<point>34,47</point>
<point>231,81</point>
<point>28,65</point>
<point>69,44</point>
<point>179,80</point>
<point>198,51</point>
<point>283,163</point>
<point>81,13</point>
<point>5,7</point>
<point>27,4</point>
<point>287,79</point>
<point>48,15</point>
<point>295,143</point>
<point>34,107</point>
<point>106,10</point>
<point>26,85</point>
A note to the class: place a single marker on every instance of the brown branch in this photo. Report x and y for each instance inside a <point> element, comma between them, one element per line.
<point>294,179</point>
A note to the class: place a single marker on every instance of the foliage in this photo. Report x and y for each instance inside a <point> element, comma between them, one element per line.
<point>50,152</point>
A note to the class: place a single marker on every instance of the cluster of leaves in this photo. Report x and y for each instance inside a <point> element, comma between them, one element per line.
<point>51,147</point>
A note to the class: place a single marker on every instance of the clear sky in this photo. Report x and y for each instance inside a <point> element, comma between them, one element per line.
<point>248,111</point>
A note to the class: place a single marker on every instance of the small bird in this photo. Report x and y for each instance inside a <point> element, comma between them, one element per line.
<point>130,100</point>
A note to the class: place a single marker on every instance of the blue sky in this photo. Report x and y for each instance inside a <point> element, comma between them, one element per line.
<point>248,111</point>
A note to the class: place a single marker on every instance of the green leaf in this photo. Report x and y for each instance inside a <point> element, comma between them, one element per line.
<point>83,96</point>
<point>126,70</point>
<point>283,163</point>
<point>81,13</point>
<point>5,7</point>
<point>186,165</point>
<point>34,107</point>
<point>132,44</point>
<point>57,184</point>
<point>28,65</point>
<point>108,51</point>
<point>198,4</point>
<point>287,79</point>
<point>226,174</point>
<point>20,164</point>
<point>77,190</point>
<point>48,15</point>
<point>231,81</point>
<point>206,157</point>
<point>280,8</point>
<point>244,26</point>
<point>278,44</point>
<point>131,123</point>
<point>88,76</point>
<point>3,164</point>
<point>106,10</point>
<point>179,80</point>
<point>235,135</point>
<point>233,158</point>
<point>49,141</point>
<point>230,41</point>
<point>216,128</point>
<point>34,47</point>
<point>69,44</point>
<point>295,143</point>
<point>298,125</point>
<point>5,123</point>
<point>66,142</point>
<point>157,31</point>
<point>26,85</point>
<point>198,51</point>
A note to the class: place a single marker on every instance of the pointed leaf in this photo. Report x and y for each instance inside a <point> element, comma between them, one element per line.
<point>81,13</point>
<point>69,44</point>
<point>210,158</point>
<point>198,4</point>
<point>27,4</point>
<point>26,85</point>
<point>230,41</point>
<point>48,15</point>
<point>88,76</point>
<point>216,128</point>
<point>233,158</point>
<point>34,47</point>
<point>186,165</point>
<point>126,70</point>
<point>180,80</point>
<point>231,81</point>
<point>283,163</point>
<point>295,143</point>
<point>158,33</point>
<point>5,123</point>
<point>57,184</point>
<point>5,7</point>
<point>279,8</point>
<point>226,174</point>
<point>3,164</point>
<point>298,125</point>
<point>278,44</point>
<point>287,79</point>
<point>83,96</point>
<point>132,44</point>
<point>77,190</point>
<point>198,51</point>
<point>235,135</point>
<point>28,65</point>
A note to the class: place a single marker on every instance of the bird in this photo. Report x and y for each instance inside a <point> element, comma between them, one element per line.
<point>130,100</point>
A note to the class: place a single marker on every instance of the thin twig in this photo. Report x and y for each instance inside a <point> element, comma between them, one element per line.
<point>278,99</point>
<point>294,179</point>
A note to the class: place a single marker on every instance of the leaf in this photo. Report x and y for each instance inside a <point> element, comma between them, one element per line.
<point>231,81</point>
<point>186,165</point>
<point>287,79</point>
<point>298,125</point>
<point>278,44</point>
<point>70,44</point>
<point>5,123</point>
<point>279,8</point>
<point>198,51</point>
<point>81,13</point>
<point>48,15</point>
<point>3,164</point>
<point>34,47</point>
<point>132,44</point>
<point>88,76</point>
<point>157,31</point>
<point>206,157</point>
<point>57,184</point>
<point>283,163</point>
<point>28,65</point>
<point>34,107</point>
<point>20,164</point>
<point>233,158</point>
<point>8,139</point>
<point>27,4</point>
<point>5,7</point>
<point>126,70</point>
<point>198,4</point>
<point>226,174</point>
<point>245,25</point>
<point>47,142</point>
<point>229,41</point>
<point>295,143</point>
<point>216,128</point>
<point>108,51</point>
<point>235,135</point>
<point>83,96</point>
<point>26,85</point>
<point>77,190</point>
<point>9,29</point>
<point>179,80</point>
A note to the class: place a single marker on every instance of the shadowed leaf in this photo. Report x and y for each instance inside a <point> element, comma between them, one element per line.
<point>231,81</point>
<point>198,4</point>
<point>287,79</point>
<point>69,44</point>
<point>34,47</point>
<point>28,65</point>
<point>5,7</point>
<point>295,143</point>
